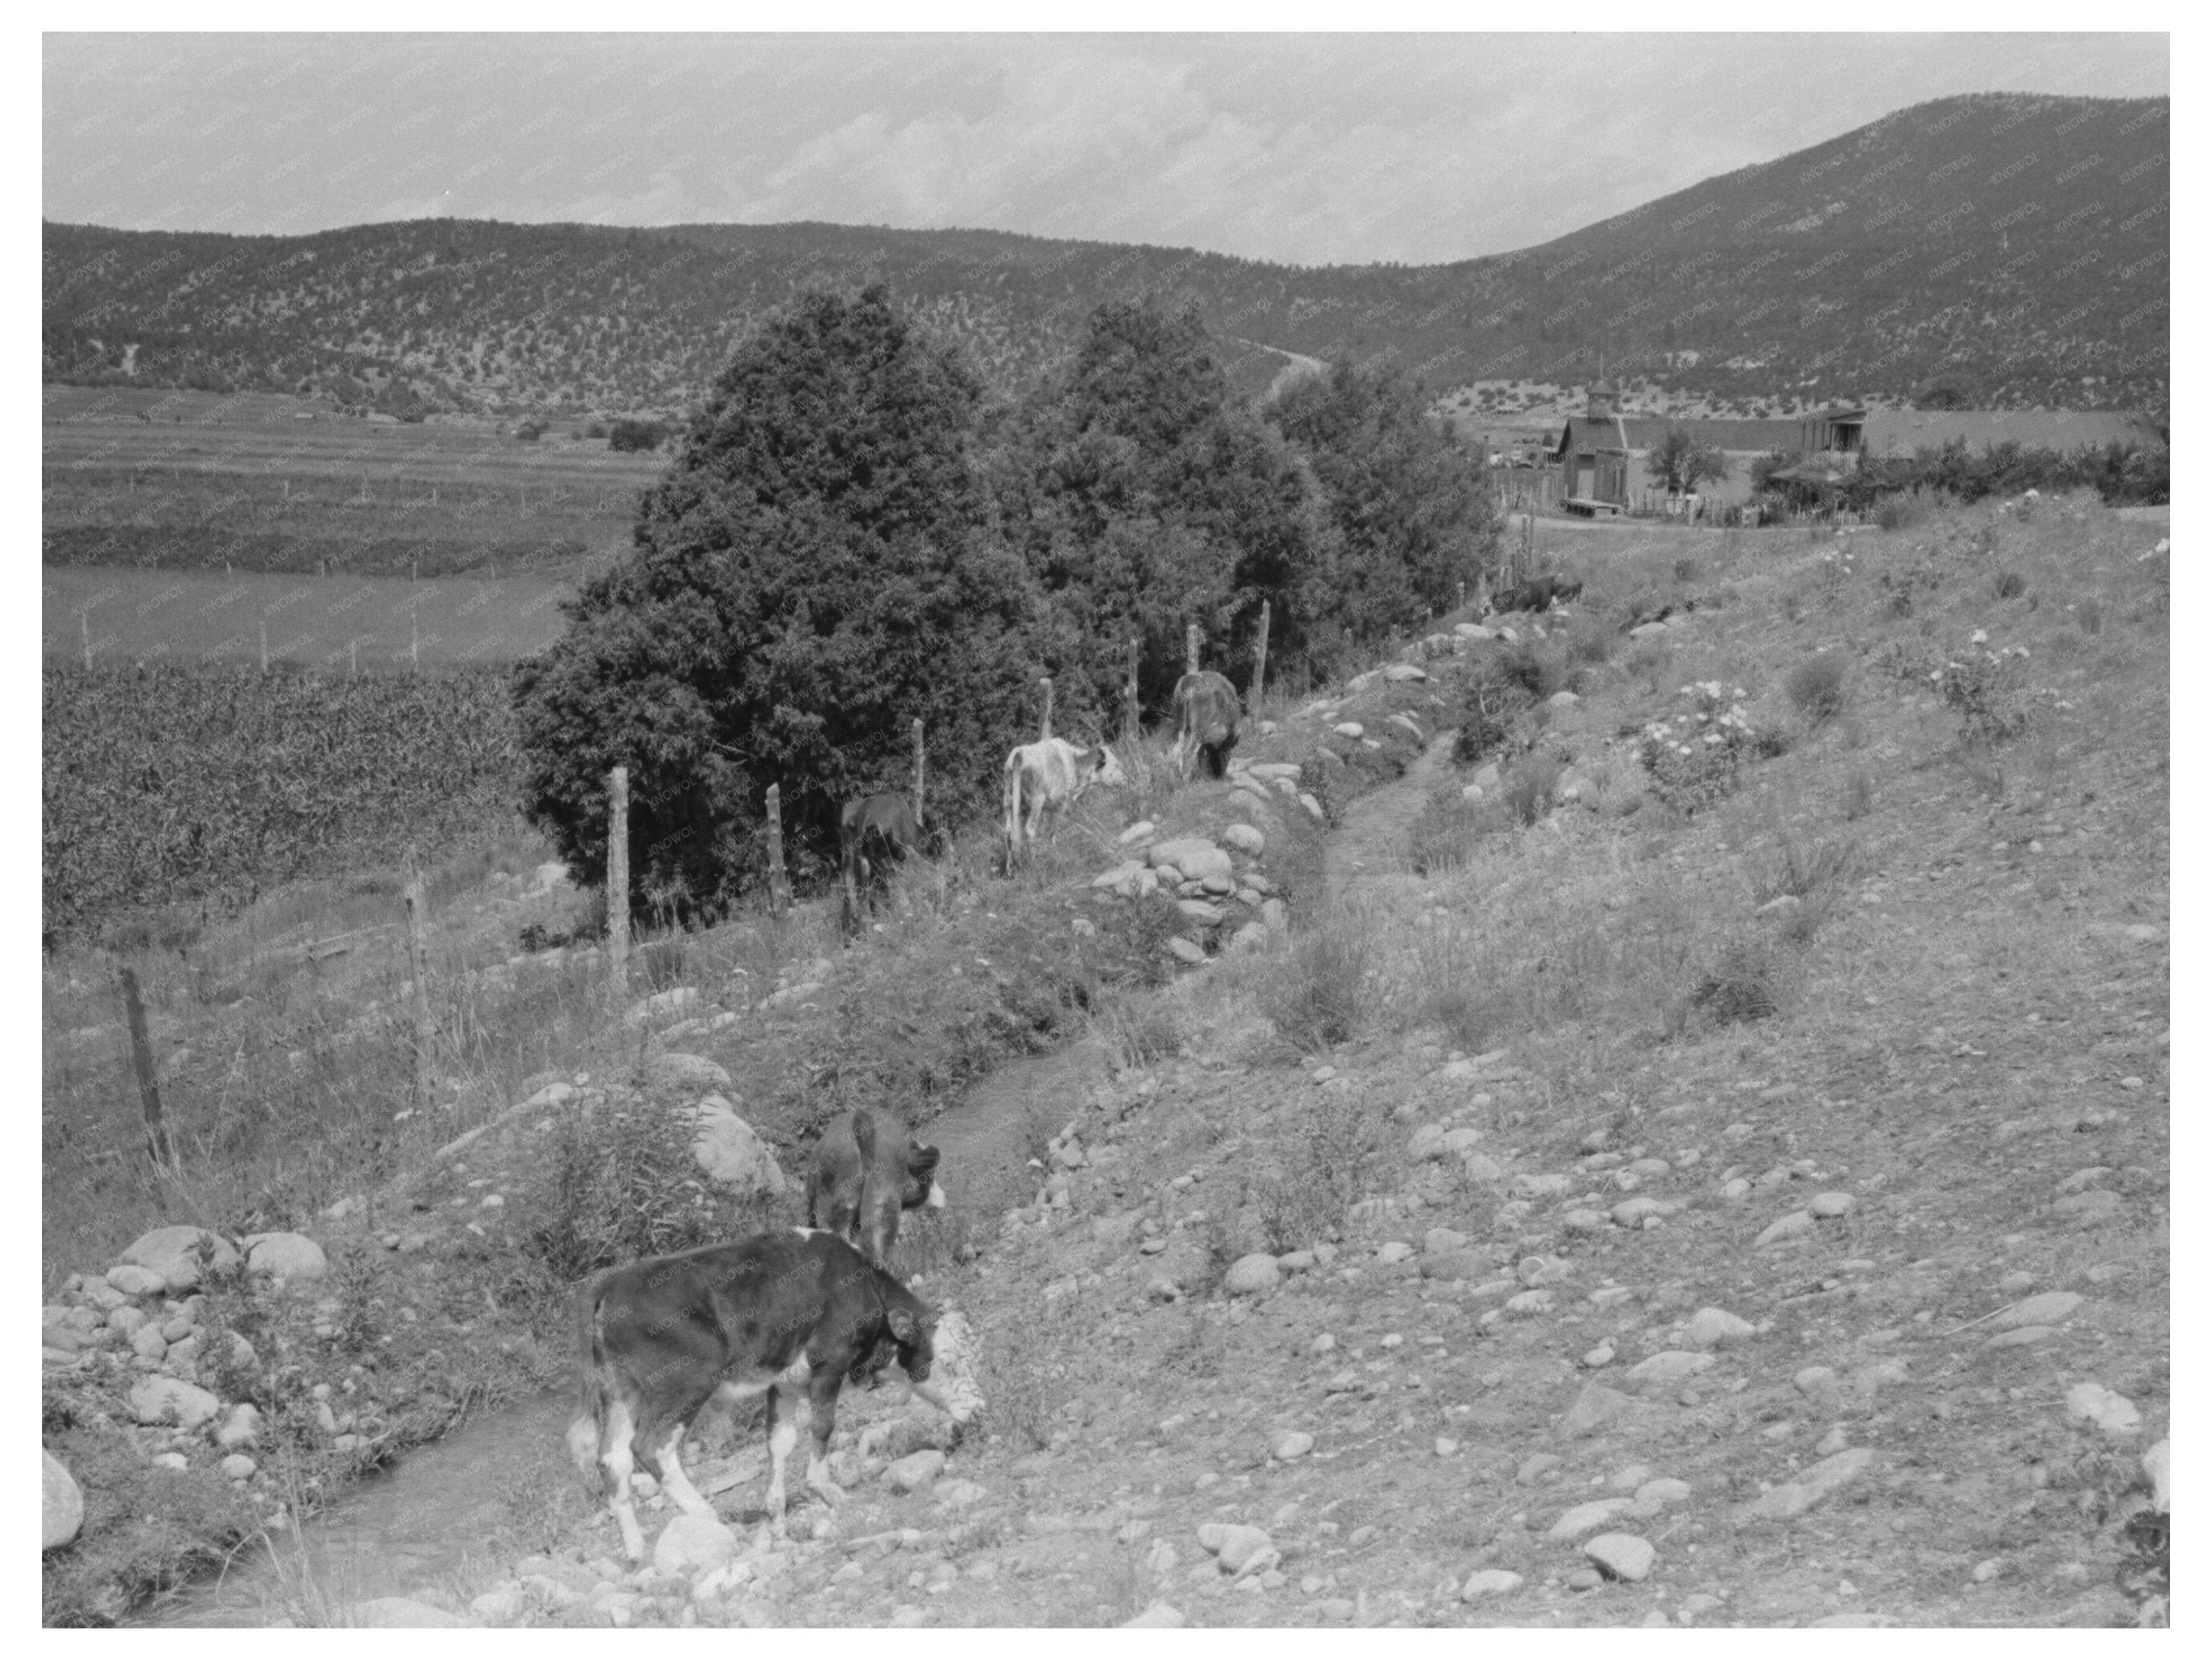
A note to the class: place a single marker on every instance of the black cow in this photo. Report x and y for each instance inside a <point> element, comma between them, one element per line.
<point>790,1310</point>
<point>1206,710</point>
<point>873,832</point>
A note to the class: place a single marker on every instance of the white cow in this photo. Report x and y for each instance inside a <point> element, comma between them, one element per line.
<point>1052,774</point>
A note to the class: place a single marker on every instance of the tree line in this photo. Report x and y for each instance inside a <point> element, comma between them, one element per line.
<point>852,535</point>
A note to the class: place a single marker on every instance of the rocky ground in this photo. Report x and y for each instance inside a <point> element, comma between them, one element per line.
<point>1848,1308</point>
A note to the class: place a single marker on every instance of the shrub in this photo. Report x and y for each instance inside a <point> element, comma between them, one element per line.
<point>1446,834</point>
<point>2010,585</point>
<point>1531,786</point>
<point>627,436</point>
<point>1983,688</point>
<point>1740,986</point>
<point>1318,996</point>
<point>1816,687</point>
<point>1693,758</point>
<point>1858,795</point>
<point>1329,1152</point>
<point>619,1185</point>
<point>530,432</point>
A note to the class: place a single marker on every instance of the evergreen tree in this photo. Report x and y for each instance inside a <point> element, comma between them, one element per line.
<point>814,571</point>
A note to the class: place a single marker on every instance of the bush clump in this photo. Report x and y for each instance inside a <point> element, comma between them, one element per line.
<point>1816,687</point>
<point>1694,756</point>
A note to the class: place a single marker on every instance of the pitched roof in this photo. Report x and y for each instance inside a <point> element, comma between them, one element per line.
<point>1901,432</point>
<point>1641,432</point>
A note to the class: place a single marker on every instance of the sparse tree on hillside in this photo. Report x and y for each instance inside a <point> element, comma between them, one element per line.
<point>813,572</point>
<point>1681,461</point>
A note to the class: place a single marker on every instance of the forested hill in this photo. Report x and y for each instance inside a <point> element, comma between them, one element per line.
<point>2011,247</point>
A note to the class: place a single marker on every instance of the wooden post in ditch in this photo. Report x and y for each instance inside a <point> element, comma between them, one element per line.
<point>264,646</point>
<point>160,1146</point>
<point>1129,723</point>
<point>1190,648</point>
<point>84,628</point>
<point>414,642</point>
<point>353,660</point>
<point>415,898</point>
<point>779,883</point>
<point>617,889</point>
<point>1260,664</point>
<point>921,755</point>
<point>1044,721</point>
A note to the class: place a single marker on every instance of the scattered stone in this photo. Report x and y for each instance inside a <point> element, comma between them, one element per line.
<point>134,1281</point>
<point>1584,1579</point>
<point>1634,1212</point>
<point>61,1503</point>
<point>2020,1337</point>
<point>678,1072</point>
<point>1489,1581</point>
<point>1593,1408</point>
<point>915,1470</point>
<point>171,1252</point>
<point>1245,838</point>
<point>2094,1404</point>
<point>1403,672</point>
<point>2158,1470</point>
<point>1583,1518</point>
<point>1709,1327</point>
<point>1395,1250</point>
<point>1794,1497</point>
<point>156,1399</point>
<point>2089,1209</point>
<point>289,1256</point>
<point>1535,1466</point>
<point>1660,1492</point>
<point>1291,1445</point>
<point>1833,1442</point>
<point>2042,1310</point>
<point>1136,832</point>
<point>1162,1616</point>
<point>1585,1221</point>
<point>1787,1227</point>
<point>1249,1275</point>
<point>1238,1546</point>
<point>1186,950</point>
<point>1828,1205</point>
<point>241,1428</point>
<point>1194,856</point>
<point>1669,1366</point>
<point>1600,1356</point>
<point>693,1544</point>
<point>730,1152</point>
<point>1621,1555</point>
<point>1987,1570</point>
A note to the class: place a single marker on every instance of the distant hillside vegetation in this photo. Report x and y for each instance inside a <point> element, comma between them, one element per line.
<point>2010,249</point>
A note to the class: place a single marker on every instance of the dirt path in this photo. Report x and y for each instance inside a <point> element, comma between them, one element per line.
<point>1371,839</point>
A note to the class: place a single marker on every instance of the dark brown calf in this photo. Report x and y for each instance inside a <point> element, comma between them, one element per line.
<point>658,1340</point>
<point>866,1171</point>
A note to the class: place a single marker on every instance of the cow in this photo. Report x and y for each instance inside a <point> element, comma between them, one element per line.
<point>871,833</point>
<point>1052,773</point>
<point>1207,709</point>
<point>793,1311</point>
<point>866,1171</point>
<point>1537,594</point>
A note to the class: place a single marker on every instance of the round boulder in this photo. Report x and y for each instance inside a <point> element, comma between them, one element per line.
<point>134,1281</point>
<point>731,1153</point>
<point>1249,1275</point>
<point>61,1503</point>
<point>677,1073</point>
<point>173,1253</point>
<point>1245,839</point>
<point>155,1399</point>
<point>289,1256</point>
<point>692,1544</point>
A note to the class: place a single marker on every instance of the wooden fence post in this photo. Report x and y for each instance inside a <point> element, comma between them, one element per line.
<point>160,1146</point>
<point>416,900</point>
<point>779,884</point>
<point>264,646</point>
<point>1190,648</point>
<point>1129,723</point>
<point>414,642</point>
<point>84,628</point>
<point>1044,721</point>
<point>618,888</point>
<point>920,755</point>
<point>1259,663</point>
<point>353,660</point>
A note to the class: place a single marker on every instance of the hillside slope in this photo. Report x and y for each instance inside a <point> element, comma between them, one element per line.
<point>1735,1174</point>
<point>2011,246</point>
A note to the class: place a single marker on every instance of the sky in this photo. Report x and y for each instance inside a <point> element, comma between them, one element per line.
<point>1306,149</point>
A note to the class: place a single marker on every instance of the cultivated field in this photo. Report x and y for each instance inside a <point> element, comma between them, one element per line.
<point>205,480</point>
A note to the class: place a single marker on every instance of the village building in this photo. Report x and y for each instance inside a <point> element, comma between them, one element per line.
<point>1603,455</point>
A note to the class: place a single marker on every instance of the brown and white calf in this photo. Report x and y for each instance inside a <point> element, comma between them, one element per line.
<point>789,1313</point>
<point>1050,773</point>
